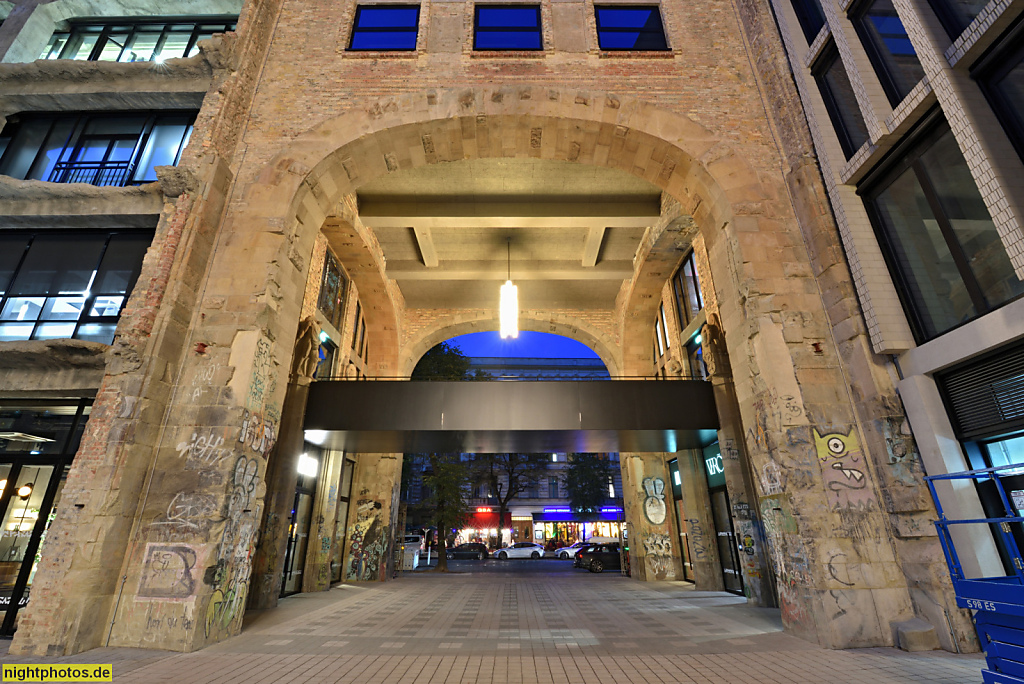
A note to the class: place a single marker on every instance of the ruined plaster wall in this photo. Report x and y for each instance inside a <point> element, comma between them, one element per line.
<point>114,528</point>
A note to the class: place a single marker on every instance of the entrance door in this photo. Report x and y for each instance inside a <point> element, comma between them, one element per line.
<point>732,573</point>
<point>298,540</point>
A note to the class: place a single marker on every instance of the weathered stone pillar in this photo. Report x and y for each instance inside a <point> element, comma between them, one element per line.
<point>282,477</point>
<point>374,518</point>
<point>653,552</point>
<point>700,527</point>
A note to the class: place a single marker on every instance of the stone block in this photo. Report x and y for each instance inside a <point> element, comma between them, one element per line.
<point>914,635</point>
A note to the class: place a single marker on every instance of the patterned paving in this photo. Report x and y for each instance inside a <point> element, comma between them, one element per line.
<point>527,621</point>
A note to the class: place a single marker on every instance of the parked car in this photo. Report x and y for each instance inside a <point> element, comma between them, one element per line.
<point>521,550</point>
<point>571,551</point>
<point>413,545</point>
<point>579,560</point>
<point>471,550</point>
<point>601,557</point>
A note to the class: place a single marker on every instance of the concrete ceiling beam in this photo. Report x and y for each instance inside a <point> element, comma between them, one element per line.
<point>496,270</point>
<point>592,247</point>
<point>524,213</point>
<point>425,242</point>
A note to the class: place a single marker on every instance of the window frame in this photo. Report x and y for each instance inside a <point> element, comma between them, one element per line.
<point>825,61</point>
<point>859,17</point>
<point>508,29</point>
<point>132,26</point>
<point>339,308</point>
<point>681,288</point>
<point>998,61</point>
<point>356,30</point>
<point>803,11</point>
<point>626,7</point>
<point>907,156</point>
<point>84,318</point>
<point>66,157</point>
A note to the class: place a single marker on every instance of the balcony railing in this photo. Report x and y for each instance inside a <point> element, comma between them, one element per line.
<point>117,173</point>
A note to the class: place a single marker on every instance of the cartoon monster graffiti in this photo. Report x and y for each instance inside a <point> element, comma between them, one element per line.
<point>842,470</point>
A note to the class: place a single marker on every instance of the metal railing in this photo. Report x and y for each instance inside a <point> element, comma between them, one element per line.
<point>1001,525</point>
<point>94,173</point>
<point>510,378</point>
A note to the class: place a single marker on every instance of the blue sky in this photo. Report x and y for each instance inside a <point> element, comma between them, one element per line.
<point>527,345</point>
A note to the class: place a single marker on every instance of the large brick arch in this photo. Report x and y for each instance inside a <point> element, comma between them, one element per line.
<point>566,326</point>
<point>708,177</point>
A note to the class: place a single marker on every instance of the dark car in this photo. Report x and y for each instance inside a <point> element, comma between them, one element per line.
<point>600,557</point>
<point>472,550</point>
<point>578,559</point>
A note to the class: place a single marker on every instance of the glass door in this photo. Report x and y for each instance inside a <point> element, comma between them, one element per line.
<point>341,521</point>
<point>732,573</point>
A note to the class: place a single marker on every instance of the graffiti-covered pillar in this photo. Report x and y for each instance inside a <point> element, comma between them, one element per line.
<point>653,552</point>
<point>700,526</point>
<point>758,581</point>
<point>374,518</point>
<point>322,536</point>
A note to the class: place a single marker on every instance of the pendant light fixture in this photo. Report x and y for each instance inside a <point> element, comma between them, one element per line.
<point>509,308</point>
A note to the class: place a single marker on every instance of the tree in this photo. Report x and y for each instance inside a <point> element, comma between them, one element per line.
<point>509,475</point>
<point>442,362</point>
<point>586,480</point>
<point>448,481</point>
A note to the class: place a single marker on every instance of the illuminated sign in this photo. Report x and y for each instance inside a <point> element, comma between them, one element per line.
<point>557,509</point>
<point>483,509</point>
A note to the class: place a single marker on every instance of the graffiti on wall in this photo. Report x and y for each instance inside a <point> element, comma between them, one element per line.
<point>659,556</point>
<point>654,504</point>
<point>257,433</point>
<point>368,545</point>
<point>188,513</point>
<point>237,545</point>
<point>170,572</point>
<point>698,539</point>
<point>843,470</point>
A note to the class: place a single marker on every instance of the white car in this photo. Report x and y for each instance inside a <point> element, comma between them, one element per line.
<point>570,551</point>
<point>520,550</point>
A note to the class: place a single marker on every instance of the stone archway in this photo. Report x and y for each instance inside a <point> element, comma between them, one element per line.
<point>574,329</point>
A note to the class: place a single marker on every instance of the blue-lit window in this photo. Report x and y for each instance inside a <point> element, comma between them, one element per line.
<point>630,28</point>
<point>889,48</point>
<point>67,284</point>
<point>810,16</point>
<point>134,40</point>
<point>99,149</point>
<point>507,27</point>
<point>385,27</point>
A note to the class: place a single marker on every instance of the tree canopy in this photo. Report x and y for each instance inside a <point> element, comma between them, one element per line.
<point>586,481</point>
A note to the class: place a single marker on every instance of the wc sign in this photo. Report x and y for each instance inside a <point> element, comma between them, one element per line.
<point>715,469</point>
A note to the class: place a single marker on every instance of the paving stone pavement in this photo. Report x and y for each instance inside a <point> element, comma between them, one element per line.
<point>522,621</point>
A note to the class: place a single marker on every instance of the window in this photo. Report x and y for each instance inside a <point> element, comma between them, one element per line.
<point>664,326</point>
<point>840,100</point>
<point>67,285</point>
<point>332,291</point>
<point>131,40</point>
<point>939,241</point>
<point>695,358</point>
<point>507,27</point>
<point>957,15</point>
<point>628,27</point>
<point>810,16</point>
<point>552,487</point>
<point>99,149</point>
<point>686,287</point>
<point>888,47</point>
<point>385,27</point>
<point>659,337</point>
<point>1001,77</point>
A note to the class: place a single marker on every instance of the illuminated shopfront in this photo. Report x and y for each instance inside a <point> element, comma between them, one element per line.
<point>560,524</point>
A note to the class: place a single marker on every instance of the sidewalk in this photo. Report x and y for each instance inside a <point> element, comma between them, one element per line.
<point>544,625</point>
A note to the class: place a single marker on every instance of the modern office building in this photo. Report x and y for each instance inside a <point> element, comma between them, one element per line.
<point>222,223</point>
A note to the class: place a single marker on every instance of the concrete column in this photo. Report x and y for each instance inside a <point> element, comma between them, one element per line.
<point>282,477</point>
<point>317,575</point>
<point>373,519</point>
<point>647,497</point>
<point>700,526</point>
